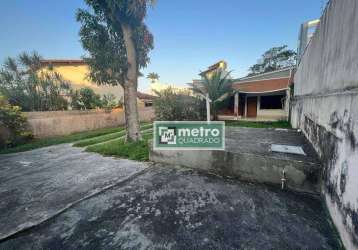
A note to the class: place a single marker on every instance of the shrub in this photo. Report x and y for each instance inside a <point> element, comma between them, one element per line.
<point>85,98</point>
<point>109,102</point>
<point>13,127</point>
<point>173,105</point>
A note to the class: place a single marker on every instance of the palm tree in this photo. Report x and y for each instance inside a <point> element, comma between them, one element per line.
<point>153,76</point>
<point>214,89</point>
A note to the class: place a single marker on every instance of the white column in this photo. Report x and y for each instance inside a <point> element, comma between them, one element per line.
<point>207,108</point>
<point>236,105</point>
<point>245,105</point>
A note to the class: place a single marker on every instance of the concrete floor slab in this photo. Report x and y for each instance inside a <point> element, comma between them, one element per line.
<point>258,141</point>
<point>175,208</point>
<point>37,184</point>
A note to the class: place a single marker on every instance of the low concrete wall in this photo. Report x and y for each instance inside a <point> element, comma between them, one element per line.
<point>57,123</point>
<point>248,157</point>
<point>248,167</point>
<point>272,114</point>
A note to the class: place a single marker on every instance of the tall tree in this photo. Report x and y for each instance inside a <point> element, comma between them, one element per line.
<point>274,59</point>
<point>153,77</point>
<point>217,87</point>
<point>118,43</point>
<point>25,84</point>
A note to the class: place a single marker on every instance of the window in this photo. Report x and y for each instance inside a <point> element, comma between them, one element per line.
<point>272,102</point>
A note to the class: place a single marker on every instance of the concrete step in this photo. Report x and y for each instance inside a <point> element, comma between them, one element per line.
<point>248,156</point>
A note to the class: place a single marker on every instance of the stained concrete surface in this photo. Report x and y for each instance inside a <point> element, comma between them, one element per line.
<point>258,141</point>
<point>248,156</point>
<point>161,208</point>
<point>35,185</point>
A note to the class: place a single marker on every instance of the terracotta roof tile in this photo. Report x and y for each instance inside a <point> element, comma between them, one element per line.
<point>262,86</point>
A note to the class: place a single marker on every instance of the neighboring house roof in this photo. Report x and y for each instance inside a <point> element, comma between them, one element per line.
<point>267,82</point>
<point>144,96</point>
<point>213,67</point>
<point>62,61</point>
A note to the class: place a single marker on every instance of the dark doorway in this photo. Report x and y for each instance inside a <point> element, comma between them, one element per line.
<point>252,106</point>
<point>242,104</point>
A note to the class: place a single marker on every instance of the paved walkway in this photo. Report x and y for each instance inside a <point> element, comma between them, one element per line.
<point>91,202</point>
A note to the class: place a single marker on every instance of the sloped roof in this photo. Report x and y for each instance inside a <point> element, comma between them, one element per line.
<point>144,96</point>
<point>265,76</point>
<point>267,82</point>
<point>262,86</point>
<point>62,61</point>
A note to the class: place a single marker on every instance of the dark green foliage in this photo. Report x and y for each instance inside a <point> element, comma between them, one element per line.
<point>25,85</point>
<point>274,59</point>
<point>13,126</point>
<point>102,37</point>
<point>174,105</point>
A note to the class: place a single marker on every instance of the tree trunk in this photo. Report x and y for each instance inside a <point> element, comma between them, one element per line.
<point>214,111</point>
<point>130,87</point>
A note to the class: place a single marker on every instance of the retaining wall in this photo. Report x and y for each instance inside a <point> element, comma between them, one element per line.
<point>325,107</point>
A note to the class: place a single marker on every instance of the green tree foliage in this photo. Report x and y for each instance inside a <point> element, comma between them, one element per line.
<point>85,98</point>
<point>174,105</point>
<point>274,59</point>
<point>118,42</point>
<point>218,86</point>
<point>22,82</point>
<point>13,127</point>
<point>153,77</point>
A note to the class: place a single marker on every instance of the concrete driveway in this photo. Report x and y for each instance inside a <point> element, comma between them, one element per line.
<point>63,198</point>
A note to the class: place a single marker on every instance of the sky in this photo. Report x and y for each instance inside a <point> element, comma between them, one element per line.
<point>189,35</point>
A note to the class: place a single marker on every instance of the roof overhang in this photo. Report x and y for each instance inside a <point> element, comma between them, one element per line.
<point>262,86</point>
<point>262,92</point>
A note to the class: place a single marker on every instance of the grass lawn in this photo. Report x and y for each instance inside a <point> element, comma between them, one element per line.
<point>107,137</point>
<point>138,151</point>
<point>39,143</point>
<point>250,124</point>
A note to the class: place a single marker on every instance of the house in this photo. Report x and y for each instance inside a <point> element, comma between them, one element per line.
<point>221,65</point>
<point>262,97</point>
<point>156,86</point>
<point>76,72</point>
<point>145,100</point>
